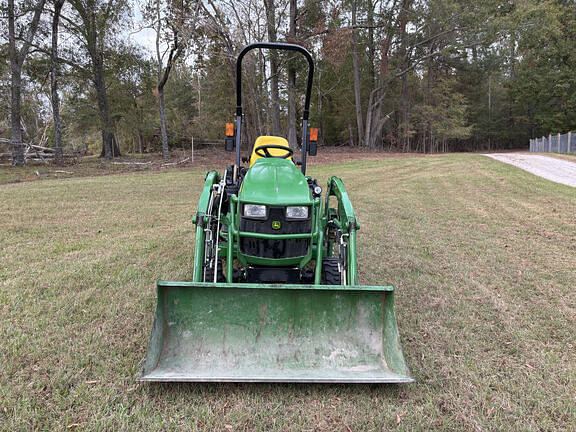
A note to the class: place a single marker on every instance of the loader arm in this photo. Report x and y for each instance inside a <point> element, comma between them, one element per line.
<point>200,219</point>
<point>343,216</point>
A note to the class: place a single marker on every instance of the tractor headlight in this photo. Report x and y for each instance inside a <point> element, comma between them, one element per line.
<point>300,212</point>
<point>255,211</point>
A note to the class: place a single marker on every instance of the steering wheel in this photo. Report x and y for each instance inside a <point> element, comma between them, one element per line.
<point>262,151</point>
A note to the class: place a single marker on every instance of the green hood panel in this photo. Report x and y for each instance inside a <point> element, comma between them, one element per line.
<point>275,182</point>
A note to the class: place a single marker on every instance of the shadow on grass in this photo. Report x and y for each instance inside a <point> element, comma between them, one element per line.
<point>162,391</point>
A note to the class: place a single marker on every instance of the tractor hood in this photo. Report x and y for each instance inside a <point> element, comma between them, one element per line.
<point>275,182</point>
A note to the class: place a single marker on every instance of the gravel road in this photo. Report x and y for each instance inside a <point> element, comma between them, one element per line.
<point>553,169</point>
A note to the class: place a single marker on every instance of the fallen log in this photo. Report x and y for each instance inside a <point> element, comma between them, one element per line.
<point>133,163</point>
<point>176,163</point>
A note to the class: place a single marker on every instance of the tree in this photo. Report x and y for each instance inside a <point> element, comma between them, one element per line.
<point>356,69</point>
<point>26,34</point>
<point>174,24</point>
<point>54,75</point>
<point>97,18</point>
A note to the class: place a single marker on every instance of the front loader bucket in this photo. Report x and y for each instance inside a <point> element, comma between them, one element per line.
<point>278,333</point>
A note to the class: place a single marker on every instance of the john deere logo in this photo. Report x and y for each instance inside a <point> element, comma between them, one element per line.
<point>276,225</point>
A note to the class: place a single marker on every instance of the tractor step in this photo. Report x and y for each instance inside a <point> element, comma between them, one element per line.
<point>279,333</point>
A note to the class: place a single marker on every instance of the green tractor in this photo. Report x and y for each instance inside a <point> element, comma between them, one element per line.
<point>275,294</point>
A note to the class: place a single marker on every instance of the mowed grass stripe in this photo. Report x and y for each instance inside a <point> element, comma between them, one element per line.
<point>481,254</point>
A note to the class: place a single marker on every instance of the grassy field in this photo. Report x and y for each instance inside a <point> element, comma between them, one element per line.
<point>96,166</point>
<point>482,256</point>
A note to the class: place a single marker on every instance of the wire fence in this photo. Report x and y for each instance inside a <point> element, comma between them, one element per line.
<point>559,143</point>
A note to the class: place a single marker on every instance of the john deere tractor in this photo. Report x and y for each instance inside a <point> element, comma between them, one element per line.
<point>275,294</point>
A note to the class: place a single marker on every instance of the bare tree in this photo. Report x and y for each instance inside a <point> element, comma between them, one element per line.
<point>54,75</point>
<point>173,25</point>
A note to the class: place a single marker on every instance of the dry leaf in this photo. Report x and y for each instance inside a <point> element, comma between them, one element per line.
<point>228,426</point>
<point>399,416</point>
<point>92,382</point>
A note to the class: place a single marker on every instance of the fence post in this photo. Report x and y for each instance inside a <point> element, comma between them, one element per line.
<point>569,142</point>
<point>540,144</point>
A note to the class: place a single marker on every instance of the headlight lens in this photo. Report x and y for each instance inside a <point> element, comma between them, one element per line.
<point>300,212</point>
<point>254,211</point>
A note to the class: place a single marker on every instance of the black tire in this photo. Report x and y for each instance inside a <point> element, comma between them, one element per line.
<point>210,273</point>
<point>330,272</point>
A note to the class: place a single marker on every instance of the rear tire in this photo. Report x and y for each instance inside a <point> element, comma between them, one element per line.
<point>331,272</point>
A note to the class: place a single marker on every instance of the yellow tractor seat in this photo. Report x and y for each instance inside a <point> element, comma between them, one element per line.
<point>269,140</point>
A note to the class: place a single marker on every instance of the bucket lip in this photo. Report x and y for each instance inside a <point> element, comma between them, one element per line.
<point>400,380</point>
<point>364,288</point>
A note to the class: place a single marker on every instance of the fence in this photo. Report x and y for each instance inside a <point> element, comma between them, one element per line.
<point>560,143</point>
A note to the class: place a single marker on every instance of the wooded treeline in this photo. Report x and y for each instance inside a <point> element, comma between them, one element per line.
<point>404,75</point>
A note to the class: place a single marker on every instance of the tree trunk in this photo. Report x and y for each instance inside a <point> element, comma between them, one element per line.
<point>162,78</point>
<point>97,60</point>
<point>370,112</point>
<point>105,122</point>
<point>404,128</point>
<point>54,75</point>
<point>404,116</point>
<point>17,58</point>
<point>140,141</point>
<point>163,132</point>
<point>511,122</point>
<point>271,24</point>
<point>16,135</point>
<point>292,137</point>
<point>319,106</point>
<point>357,96</point>
<point>371,49</point>
<point>200,122</point>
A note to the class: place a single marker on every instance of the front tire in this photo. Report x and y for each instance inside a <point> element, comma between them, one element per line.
<point>331,274</point>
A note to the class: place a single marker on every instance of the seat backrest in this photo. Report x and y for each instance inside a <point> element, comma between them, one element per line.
<point>269,140</point>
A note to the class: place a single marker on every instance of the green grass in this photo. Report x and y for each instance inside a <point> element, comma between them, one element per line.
<point>569,157</point>
<point>482,256</point>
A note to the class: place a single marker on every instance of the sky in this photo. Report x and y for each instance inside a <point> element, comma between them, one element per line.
<point>145,37</point>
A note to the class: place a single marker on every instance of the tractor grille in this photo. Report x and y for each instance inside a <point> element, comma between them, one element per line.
<point>265,248</point>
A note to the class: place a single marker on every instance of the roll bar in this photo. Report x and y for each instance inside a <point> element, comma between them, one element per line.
<point>284,47</point>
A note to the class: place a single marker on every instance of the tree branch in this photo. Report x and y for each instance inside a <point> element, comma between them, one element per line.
<point>31,32</point>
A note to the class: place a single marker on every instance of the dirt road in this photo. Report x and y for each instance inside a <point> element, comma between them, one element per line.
<point>553,169</point>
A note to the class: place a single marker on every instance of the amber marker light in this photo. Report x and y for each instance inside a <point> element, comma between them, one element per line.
<point>313,134</point>
<point>229,129</point>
